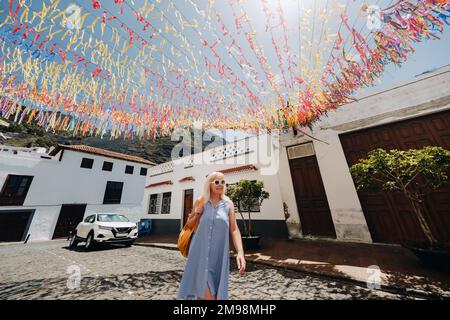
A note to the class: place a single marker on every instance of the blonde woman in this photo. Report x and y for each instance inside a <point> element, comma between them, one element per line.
<point>205,275</point>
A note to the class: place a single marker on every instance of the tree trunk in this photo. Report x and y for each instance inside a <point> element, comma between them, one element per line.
<point>249,224</point>
<point>423,223</point>
<point>243,219</point>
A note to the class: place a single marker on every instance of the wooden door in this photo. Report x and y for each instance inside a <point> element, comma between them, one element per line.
<point>312,203</point>
<point>69,217</point>
<point>188,204</point>
<point>388,214</point>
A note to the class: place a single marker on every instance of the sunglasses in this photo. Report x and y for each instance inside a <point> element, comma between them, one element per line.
<point>218,182</point>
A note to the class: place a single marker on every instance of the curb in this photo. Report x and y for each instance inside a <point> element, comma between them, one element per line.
<point>154,245</point>
<point>325,275</point>
<point>335,277</point>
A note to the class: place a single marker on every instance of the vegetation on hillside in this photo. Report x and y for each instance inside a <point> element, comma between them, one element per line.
<point>32,135</point>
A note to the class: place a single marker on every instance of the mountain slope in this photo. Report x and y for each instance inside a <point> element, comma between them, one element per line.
<point>29,135</point>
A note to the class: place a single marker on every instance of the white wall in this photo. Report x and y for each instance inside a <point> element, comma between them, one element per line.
<point>271,209</point>
<point>345,209</point>
<point>424,94</point>
<point>44,221</point>
<point>64,182</point>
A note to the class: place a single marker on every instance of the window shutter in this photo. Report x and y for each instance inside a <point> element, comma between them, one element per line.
<point>158,203</point>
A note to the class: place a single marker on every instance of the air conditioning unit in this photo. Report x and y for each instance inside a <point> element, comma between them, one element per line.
<point>301,150</point>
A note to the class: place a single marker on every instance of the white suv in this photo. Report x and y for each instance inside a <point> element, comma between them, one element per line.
<point>104,228</point>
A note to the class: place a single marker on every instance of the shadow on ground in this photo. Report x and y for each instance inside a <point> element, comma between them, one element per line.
<point>149,285</point>
<point>102,247</point>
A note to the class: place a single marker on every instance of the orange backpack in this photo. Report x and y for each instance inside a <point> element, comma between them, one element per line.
<point>185,236</point>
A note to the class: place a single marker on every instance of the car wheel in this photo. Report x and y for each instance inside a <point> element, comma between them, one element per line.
<point>90,242</point>
<point>73,241</point>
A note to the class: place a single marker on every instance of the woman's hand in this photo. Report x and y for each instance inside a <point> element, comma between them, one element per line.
<point>240,260</point>
<point>198,210</point>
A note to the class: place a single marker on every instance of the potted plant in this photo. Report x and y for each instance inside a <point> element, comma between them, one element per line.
<point>246,194</point>
<point>412,172</point>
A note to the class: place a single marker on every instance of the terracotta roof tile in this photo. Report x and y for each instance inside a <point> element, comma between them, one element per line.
<point>190,178</point>
<point>161,183</point>
<point>101,152</point>
<point>238,169</point>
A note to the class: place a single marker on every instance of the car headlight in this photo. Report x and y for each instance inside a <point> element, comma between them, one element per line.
<point>133,227</point>
<point>105,228</point>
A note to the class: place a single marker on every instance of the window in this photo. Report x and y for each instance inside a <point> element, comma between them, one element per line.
<point>87,163</point>
<point>143,171</point>
<point>107,166</point>
<point>107,217</point>
<point>129,169</point>
<point>90,219</point>
<point>15,190</point>
<point>152,204</point>
<point>165,207</point>
<point>113,192</point>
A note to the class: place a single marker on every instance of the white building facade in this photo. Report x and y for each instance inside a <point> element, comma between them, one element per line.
<point>44,196</point>
<point>308,172</point>
<point>312,194</point>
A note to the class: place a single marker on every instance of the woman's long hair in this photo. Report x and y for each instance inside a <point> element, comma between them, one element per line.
<point>207,186</point>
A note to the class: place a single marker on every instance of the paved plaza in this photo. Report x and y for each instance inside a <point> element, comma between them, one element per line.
<point>50,270</point>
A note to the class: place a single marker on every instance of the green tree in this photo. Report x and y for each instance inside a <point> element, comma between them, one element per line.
<point>412,172</point>
<point>246,194</point>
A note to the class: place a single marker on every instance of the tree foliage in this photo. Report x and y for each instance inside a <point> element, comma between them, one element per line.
<point>413,172</point>
<point>246,194</point>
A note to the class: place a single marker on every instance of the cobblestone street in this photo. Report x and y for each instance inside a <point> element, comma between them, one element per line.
<point>48,270</point>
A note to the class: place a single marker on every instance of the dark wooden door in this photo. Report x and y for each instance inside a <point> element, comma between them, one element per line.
<point>312,203</point>
<point>13,225</point>
<point>69,217</point>
<point>389,216</point>
<point>188,204</point>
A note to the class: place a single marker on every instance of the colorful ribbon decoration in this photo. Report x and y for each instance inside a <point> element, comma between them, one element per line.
<point>87,69</point>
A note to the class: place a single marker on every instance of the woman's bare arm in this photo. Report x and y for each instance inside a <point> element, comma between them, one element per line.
<point>195,215</point>
<point>237,241</point>
<point>235,233</point>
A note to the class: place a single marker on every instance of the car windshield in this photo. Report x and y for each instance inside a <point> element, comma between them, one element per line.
<point>112,218</point>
